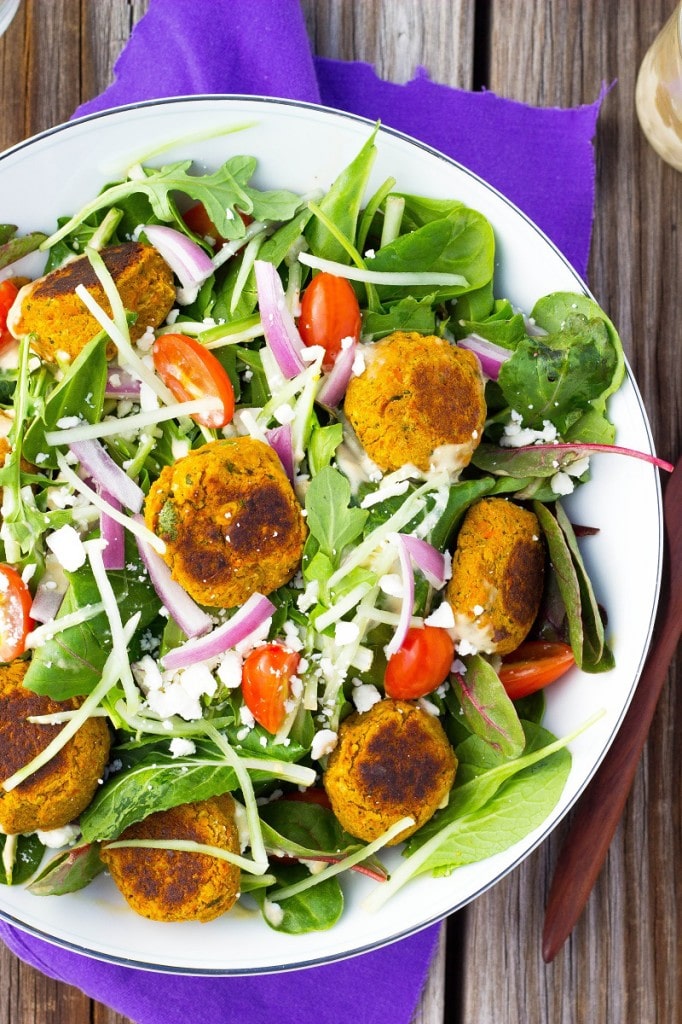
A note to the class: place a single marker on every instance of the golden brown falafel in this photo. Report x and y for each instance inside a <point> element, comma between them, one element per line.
<point>58,792</point>
<point>419,400</point>
<point>61,325</point>
<point>497,575</point>
<point>230,520</point>
<point>390,762</point>
<point>172,885</point>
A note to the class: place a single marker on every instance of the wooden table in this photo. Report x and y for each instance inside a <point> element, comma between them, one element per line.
<point>624,961</point>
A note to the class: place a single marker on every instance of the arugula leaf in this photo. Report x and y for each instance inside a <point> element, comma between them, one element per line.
<point>224,194</point>
<point>332,521</point>
<point>322,446</point>
<point>408,314</point>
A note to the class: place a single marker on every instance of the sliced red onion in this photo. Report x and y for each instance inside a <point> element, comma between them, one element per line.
<point>280,440</point>
<point>405,616</point>
<point>189,262</point>
<point>46,602</point>
<point>432,563</point>
<point>334,383</point>
<point>107,474</point>
<point>243,623</point>
<point>281,333</point>
<point>121,384</point>
<point>113,532</point>
<point>490,356</point>
<point>191,619</point>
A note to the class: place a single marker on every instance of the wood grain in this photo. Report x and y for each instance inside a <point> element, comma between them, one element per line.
<point>623,963</point>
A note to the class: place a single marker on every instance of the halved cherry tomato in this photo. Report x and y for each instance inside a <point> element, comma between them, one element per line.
<point>266,683</point>
<point>422,663</point>
<point>534,665</point>
<point>312,795</point>
<point>15,613</point>
<point>190,371</point>
<point>198,221</point>
<point>8,293</point>
<point>329,313</point>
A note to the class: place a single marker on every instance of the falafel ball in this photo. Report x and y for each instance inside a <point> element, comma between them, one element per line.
<point>420,400</point>
<point>230,519</point>
<point>59,791</point>
<point>390,762</point>
<point>61,325</point>
<point>497,575</point>
<point>174,885</point>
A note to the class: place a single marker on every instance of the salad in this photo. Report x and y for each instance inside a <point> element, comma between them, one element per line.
<point>185,370</point>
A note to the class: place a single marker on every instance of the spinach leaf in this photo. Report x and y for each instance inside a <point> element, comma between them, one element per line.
<point>28,855</point>
<point>487,709</point>
<point>342,205</point>
<point>316,909</point>
<point>79,393</point>
<point>552,311</point>
<point>484,816</point>
<point>68,871</point>
<point>461,243</point>
<point>155,782</point>
<point>13,248</point>
<point>304,830</point>
<point>71,662</point>
<point>556,377</point>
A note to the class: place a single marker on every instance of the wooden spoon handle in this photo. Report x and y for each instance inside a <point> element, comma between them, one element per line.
<point>600,808</point>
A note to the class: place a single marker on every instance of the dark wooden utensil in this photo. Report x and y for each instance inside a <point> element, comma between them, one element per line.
<point>599,809</point>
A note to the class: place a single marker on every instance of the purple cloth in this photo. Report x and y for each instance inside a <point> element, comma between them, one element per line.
<point>543,160</point>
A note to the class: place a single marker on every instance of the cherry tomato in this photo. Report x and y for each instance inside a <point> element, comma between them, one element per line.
<point>266,683</point>
<point>533,665</point>
<point>312,795</point>
<point>422,663</point>
<point>198,221</point>
<point>190,371</point>
<point>8,293</point>
<point>15,613</point>
<point>329,313</point>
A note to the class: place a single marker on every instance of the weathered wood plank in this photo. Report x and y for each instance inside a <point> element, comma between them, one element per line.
<point>623,961</point>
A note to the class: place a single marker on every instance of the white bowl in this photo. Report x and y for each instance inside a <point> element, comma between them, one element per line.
<point>300,146</point>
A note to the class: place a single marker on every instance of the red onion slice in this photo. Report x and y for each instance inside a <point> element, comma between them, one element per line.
<point>46,602</point>
<point>191,619</point>
<point>490,356</point>
<point>334,384</point>
<point>243,623</point>
<point>431,562</point>
<point>107,474</point>
<point>281,333</point>
<point>405,616</point>
<point>188,261</point>
<point>121,384</point>
<point>280,440</point>
<point>113,532</point>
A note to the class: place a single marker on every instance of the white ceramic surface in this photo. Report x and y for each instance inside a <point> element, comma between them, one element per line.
<point>302,147</point>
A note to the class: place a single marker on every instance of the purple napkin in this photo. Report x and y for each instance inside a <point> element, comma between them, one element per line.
<point>531,155</point>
